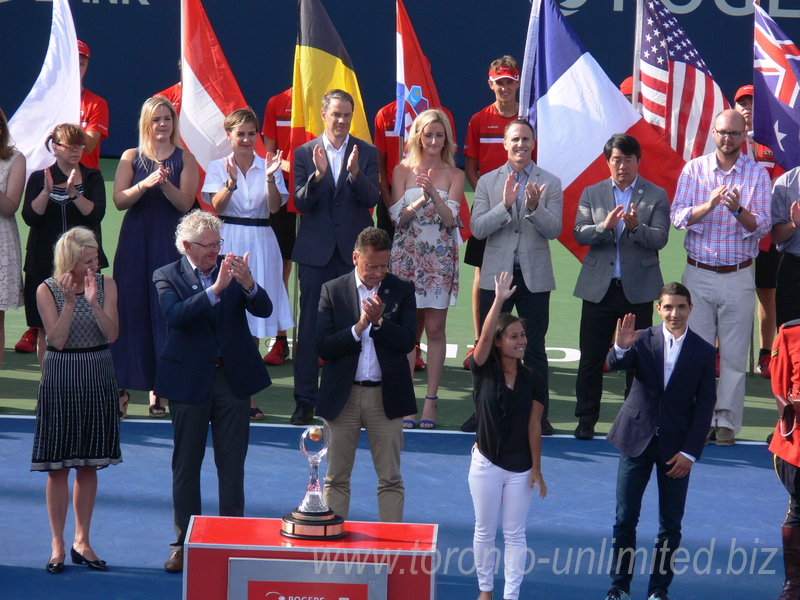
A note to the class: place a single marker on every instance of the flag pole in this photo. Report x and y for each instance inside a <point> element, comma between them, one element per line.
<point>637,52</point>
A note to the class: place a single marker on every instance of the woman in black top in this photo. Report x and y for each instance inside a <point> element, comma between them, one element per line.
<point>506,458</point>
<point>67,194</point>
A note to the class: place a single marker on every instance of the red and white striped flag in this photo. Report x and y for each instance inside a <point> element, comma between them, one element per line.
<point>209,89</point>
<point>672,86</point>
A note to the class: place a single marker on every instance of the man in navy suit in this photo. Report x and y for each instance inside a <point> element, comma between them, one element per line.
<point>663,423</point>
<point>366,327</point>
<point>209,367</point>
<point>335,186</point>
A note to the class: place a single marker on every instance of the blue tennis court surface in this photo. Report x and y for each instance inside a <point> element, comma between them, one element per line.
<point>731,532</point>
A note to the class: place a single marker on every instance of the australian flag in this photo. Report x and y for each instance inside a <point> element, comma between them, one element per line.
<point>776,98</point>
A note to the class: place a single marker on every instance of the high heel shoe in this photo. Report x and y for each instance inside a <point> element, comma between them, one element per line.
<point>79,559</point>
<point>123,404</point>
<point>54,568</point>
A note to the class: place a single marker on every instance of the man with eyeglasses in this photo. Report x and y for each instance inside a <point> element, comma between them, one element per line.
<point>209,367</point>
<point>723,203</point>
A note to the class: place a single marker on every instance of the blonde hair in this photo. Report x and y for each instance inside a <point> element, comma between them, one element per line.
<point>192,225</point>
<point>434,115</point>
<point>150,106</point>
<point>67,134</point>
<point>69,249</point>
<point>240,117</point>
<point>6,147</point>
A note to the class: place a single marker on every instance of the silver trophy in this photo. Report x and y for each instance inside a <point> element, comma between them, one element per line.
<point>313,519</point>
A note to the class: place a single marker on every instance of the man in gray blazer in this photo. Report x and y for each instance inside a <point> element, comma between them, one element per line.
<point>625,222</point>
<point>517,209</point>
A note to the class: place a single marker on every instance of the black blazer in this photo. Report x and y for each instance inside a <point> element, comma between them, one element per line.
<point>339,310</point>
<point>197,333</point>
<point>682,412</point>
<point>334,212</point>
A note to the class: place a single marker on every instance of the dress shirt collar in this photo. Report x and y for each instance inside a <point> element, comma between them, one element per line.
<point>631,187</point>
<point>258,163</point>
<point>360,285</point>
<point>527,170</point>
<point>668,336</point>
<point>195,268</point>
<point>329,147</point>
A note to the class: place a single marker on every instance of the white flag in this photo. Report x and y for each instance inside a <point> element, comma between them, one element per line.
<point>55,97</point>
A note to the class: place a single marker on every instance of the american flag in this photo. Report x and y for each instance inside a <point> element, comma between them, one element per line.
<point>676,93</point>
<point>776,101</point>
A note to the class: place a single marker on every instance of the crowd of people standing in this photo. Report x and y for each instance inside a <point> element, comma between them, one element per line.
<point>194,294</point>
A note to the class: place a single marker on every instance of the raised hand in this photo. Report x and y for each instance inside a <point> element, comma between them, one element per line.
<point>626,331</point>
<point>352,163</point>
<point>425,181</point>
<point>373,308</point>
<point>717,195</point>
<point>732,200</point>
<point>240,271</point>
<point>224,275</point>
<point>48,181</point>
<point>502,286</point>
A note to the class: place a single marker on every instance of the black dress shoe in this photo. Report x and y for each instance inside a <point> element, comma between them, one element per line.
<point>547,428</point>
<point>302,414</point>
<point>470,425</point>
<point>79,559</point>
<point>55,568</point>
<point>584,431</point>
<point>174,563</point>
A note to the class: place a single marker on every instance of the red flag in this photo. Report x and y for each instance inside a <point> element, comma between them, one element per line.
<point>416,91</point>
<point>209,89</point>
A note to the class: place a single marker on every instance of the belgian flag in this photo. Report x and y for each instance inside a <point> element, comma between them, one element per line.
<point>321,63</point>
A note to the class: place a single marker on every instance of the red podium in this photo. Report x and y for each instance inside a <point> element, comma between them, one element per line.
<point>243,559</point>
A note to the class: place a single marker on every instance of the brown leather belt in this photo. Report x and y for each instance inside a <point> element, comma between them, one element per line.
<point>720,269</point>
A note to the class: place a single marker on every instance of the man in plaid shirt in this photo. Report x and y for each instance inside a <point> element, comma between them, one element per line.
<point>723,203</point>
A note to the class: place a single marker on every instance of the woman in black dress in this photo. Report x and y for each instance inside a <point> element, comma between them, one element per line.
<point>77,422</point>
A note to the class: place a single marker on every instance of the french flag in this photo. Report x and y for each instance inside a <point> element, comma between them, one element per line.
<point>575,108</point>
<point>210,92</point>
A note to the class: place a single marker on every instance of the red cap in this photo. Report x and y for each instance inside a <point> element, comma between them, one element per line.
<point>84,49</point>
<point>503,71</point>
<point>745,90</point>
<point>626,87</point>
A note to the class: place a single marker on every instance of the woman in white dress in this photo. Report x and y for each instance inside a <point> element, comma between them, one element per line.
<point>12,184</point>
<point>426,192</point>
<point>245,190</point>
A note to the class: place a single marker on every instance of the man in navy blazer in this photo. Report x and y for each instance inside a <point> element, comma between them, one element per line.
<point>209,367</point>
<point>335,186</point>
<point>663,422</point>
<point>366,328</point>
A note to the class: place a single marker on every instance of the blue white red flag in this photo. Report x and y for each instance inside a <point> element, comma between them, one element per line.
<point>776,94</point>
<point>55,96</point>
<point>416,91</point>
<point>575,109</point>
<point>672,83</point>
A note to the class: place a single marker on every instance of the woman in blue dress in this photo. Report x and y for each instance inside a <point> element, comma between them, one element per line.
<point>156,184</point>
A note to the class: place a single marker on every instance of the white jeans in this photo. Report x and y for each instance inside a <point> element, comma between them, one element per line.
<point>724,305</point>
<point>494,489</point>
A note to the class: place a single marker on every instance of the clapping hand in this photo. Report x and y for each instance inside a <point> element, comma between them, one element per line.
<point>240,270</point>
<point>320,162</point>
<point>352,163</point>
<point>68,288</point>
<point>48,181</point>
<point>372,307</point>
<point>425,181</point>
<point>510,190</point>
<point>90,287</point>
<point>72,192</point>
<point>732,199</point>
<point>230,167</point>
<point>533,193</point>
<point>613,217</point>
<point>631,218</point>
<point>273,163</point>
<point>626,332</point>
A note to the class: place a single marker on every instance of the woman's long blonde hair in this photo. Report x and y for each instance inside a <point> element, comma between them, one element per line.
<point>414,153</point>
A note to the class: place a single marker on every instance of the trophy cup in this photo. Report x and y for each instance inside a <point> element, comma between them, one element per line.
<point>312,519</point>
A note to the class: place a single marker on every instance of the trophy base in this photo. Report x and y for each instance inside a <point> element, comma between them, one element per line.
<point>313,526</point>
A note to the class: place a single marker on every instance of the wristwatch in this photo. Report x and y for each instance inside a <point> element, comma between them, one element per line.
<point>737,212</point>
<point>231,185</point>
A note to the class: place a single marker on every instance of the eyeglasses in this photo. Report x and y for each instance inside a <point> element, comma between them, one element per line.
<point>214,246</point>
<point>730,134</point>
<point>71,148</point>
